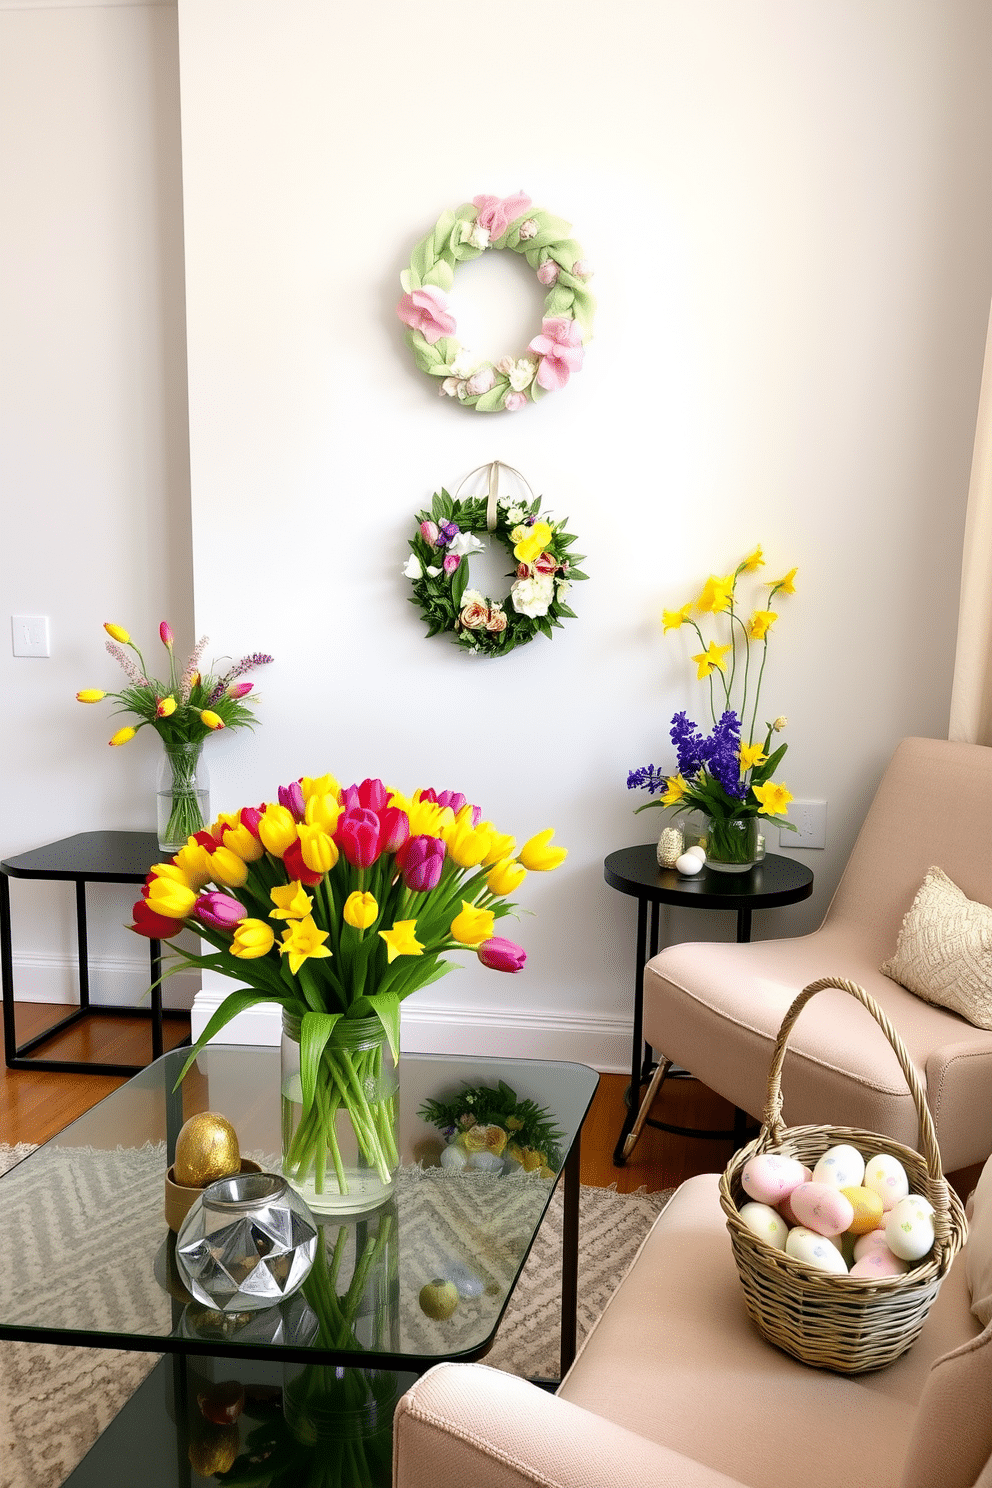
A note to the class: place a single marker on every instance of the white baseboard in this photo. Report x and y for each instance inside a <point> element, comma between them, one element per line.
<point>600,1041</point>
<point>115,981</point>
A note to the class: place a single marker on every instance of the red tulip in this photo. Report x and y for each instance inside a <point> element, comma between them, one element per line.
<point>155,926</point>
<point>295,866</point>
<point>357,836</point>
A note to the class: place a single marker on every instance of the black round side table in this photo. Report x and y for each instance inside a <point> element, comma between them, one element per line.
<point>773,882</point>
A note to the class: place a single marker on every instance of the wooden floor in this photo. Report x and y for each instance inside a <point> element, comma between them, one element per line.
<point>34,1105</point>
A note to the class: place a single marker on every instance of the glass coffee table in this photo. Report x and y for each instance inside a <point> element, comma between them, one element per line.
<point>86,1260</point>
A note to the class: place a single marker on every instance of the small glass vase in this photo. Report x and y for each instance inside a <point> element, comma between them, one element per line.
<point>732,843</point>
<point>182,796</point>
<point>341,1153</point>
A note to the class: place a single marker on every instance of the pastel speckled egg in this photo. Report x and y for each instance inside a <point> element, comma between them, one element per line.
<point>867,1207</point>
<point>784,1205</point>
<point>909,1228</point>
<point>879,1263</point>
<point>841,1166</point>
<point>688,865</point>
<point>814,1250</point>
<point>886,1176</point>
<point>821,1208</point>
<point>769,1176</point>
<point>765,1222</point>
<point>865,1244</point>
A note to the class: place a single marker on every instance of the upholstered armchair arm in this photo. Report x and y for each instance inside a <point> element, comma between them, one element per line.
<point>466,1424</point>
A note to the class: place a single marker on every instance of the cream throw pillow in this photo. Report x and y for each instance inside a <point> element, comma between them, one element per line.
<point>944,950</point>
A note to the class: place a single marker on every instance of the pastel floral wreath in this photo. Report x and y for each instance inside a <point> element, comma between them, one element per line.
<point>495,222</point>
<point>543,572</point>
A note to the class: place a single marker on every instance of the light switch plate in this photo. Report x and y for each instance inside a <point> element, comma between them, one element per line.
<point>810,820</point>
<point>29,635</point>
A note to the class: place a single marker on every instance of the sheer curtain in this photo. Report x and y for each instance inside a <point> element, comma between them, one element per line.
<point>971,693</point>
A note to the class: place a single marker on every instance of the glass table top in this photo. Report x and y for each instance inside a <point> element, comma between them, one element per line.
<point>86,1257</point>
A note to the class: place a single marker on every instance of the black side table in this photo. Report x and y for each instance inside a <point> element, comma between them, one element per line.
<point>88,857</point>
<point>634,870</point>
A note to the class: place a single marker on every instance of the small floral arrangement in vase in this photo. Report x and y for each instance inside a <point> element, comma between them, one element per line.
<point>487,1127</point>
<point>184,711</point>
<point>726,774</point>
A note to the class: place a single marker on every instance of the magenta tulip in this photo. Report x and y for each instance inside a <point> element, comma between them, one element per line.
<point>501,955</point>
<point>239,690</point>
<point>357,836</point>
<point>420,860</point>
<point>250,818</point>
<point>394,829</point>
<point>291,796</point>
<point>371,795</point>
<point>219,911</point>
<point>165,634</point>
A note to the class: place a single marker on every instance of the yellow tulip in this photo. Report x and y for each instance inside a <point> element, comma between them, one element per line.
<point>123,736</point>
<point>238,838</point>
<point>537,854</point>
<point>118,632</point>
<point>90,695</point>
<point>319,850</point>
<point>505,877</point>
<point>252,938</point>
<point>473,925</point>
<point>428,819</point>
<point>322,810</point>
<point>468,846</point>
<point>166,707</point>
<point>211,719</point>
<point>320,785</point>
<point>167,897</point>
<point>173,871</point>
<point>401,940</point>
<point>302,940</point>
<point>227,869</point>
<point>360,910</point>
<point>194,861</point>
<point>291,900</point>
<point>501,844</point>
<point>277,829</point>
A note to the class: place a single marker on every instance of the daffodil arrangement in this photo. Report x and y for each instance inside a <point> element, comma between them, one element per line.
<point>184,710</point>
<point>337,904</point>
<point>726,775</point>
<point>490,1120</point>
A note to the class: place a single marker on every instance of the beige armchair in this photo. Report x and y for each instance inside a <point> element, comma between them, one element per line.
<point>716,1009</point>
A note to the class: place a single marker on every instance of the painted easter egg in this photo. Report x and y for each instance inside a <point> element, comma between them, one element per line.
<point>769,1176</point>
<point>822,1208</point>
<point>886,1176</point>
<point>841,1166</point>
<point>815,1251</point>
<point>867,1206</point>
<point>765,1222</point>
<point>909,1228</point>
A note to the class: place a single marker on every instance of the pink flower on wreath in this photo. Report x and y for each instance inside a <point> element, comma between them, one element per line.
<point>496,213</point>
<point>480,382</point>
<point>513,402</point>
<point>426,310</point>
<point>561,351</point>
<point>548,272</point>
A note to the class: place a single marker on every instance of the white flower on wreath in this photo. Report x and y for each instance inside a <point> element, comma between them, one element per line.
<point>465,363</point>
<point>473,596</point>
<point>412,568</point>
<point>464,543</point>
<point>515,514</point>
<point>531,597</point>
<point>521,374</point>
<point>449,387</point>
<point>563,587</point>
<point>474,235</point>
<point>434,571</point>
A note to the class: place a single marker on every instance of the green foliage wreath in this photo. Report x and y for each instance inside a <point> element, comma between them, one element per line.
<point>543,572</point>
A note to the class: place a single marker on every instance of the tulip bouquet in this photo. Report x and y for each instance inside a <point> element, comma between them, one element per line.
<point>724,775</point>
<point>183,711</point>
<point>368,892</point>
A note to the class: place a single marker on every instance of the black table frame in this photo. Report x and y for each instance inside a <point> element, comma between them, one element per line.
<point>773,882</point>
<point>87,857</point>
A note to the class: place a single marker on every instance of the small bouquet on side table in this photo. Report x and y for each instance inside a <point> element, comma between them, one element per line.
<point>725,777</point>
<point>488,1127</point>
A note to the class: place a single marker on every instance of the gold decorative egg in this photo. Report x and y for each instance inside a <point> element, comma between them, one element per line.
<point>215,1450</point>
<point>206,1149</point>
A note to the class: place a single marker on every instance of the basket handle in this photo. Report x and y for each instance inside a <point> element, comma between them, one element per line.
<point>773,1128</point>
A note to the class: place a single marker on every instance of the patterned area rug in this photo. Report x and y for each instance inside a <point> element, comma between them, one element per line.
<point>54,1401</point>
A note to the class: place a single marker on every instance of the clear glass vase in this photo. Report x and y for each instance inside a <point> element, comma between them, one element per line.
<point>340,1151</point>
<point>732,843</point>
<point>182,795</point>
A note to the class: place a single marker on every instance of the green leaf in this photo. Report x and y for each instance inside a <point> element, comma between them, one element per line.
<point>233,1004</point>
<point>492,401</point>
<point>387,1010</point>
<point>315,1030</point>
<point>459,583</point>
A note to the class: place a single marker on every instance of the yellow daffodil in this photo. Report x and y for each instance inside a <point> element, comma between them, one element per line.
<point>252,938</point>
<point>707,661</point>
<point>227,869</point>
<point>760,624</point>
<point>717,595</point>
<point>468,846</point>
<point>322,810</point>
<point>277,829</point>
<point>167,897</point>
<point>319,850</point>
<point>360,910</point>
<point>538,856</point>
<point>291,900</point>
<point>786,585</point>
<point>90,695</point>
<point>774,798</point>
<point>754,560</point>
<point>320,785</point>
<point>166,707</point>
<point>505,877</point>
<point>751,755</point>
<point>401,940</point>
<point>302,940</point>
<point>673,619</point>
<point>123,736</point>
<point>675,789</point>
<point>211,719</point>
<point>194,861</point>
<point>118,633</point>
<point>533,544</point>
<point>473,925</point>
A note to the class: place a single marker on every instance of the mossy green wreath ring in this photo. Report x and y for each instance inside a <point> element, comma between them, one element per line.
<point>551,357</point>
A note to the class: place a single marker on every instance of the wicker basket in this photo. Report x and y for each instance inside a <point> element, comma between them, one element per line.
<point>850,1324</point>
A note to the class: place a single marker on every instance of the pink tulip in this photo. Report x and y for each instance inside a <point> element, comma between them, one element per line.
<point>420,860</point>
<point>561,351</point>
<point>496,212</point>
<point>371,795</point>
<point>219,911</point>
<point>357,836</point>
<point>165,631</point>
<point>291,796</point>
<point>426,310</point>
<point>250,818</point>
<point>394,828</point>
<point>239,689</point>
<point>429,532</point>
<point>501,955</point>
<point>451,562</point>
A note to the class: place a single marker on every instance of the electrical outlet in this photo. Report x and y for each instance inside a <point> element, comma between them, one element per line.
<point>29,635</point>
<point>810,820</point>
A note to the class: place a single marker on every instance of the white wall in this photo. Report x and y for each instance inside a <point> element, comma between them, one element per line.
<point>787,207</point>
<point>94,469</point>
